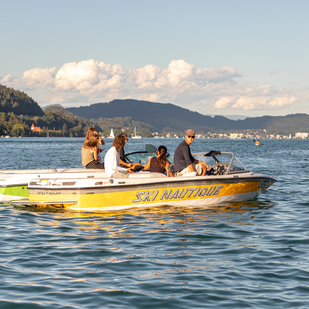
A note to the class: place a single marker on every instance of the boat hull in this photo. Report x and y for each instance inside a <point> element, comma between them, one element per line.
<point>117,194</point>
<point>13,193</point>
<point>14,183</point>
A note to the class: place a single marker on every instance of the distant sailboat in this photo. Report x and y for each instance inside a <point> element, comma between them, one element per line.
<point>134,134</point>
<point>112,134</point>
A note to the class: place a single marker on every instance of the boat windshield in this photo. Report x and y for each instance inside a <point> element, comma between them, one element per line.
<point>143,157</point>
<point>237,167</point>
<point>226,159</point>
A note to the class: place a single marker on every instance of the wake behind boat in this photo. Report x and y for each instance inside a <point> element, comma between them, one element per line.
<point>228,180</point>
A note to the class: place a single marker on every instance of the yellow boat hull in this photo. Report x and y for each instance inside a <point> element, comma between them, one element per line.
<point>123,194</point>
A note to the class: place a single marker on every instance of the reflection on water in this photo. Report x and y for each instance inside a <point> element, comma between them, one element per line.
<point>164,215</point>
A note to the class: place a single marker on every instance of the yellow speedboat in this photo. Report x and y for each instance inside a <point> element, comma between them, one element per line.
<point>228,180</point>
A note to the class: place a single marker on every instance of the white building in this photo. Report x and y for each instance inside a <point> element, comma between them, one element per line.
<point>236,135</point>
<point>301,135</point>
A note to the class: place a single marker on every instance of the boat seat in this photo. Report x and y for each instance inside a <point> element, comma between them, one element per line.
<point>191,174</point>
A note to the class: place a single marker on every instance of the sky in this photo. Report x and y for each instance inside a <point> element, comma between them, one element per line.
<point>223,57</point>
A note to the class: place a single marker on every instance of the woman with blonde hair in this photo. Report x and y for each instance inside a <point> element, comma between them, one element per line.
<point>91,150</point>
<point>159,164</point>
<point>112,159</point>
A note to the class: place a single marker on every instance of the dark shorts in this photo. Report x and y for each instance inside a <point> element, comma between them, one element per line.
<point>95,165</point>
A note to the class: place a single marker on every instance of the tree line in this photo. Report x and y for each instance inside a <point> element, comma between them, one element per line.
<point>18,112</point>
<point>52,124</point>
<point>18,102</point>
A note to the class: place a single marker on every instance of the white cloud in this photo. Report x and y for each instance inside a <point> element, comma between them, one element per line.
<point>146,76</point>
<point>179,71</point>
<point>181,83</point>
<point>153,97</point>
<point>223,102</point>
<point>255,102</point>
<point>38,78</point>
<point>8,80</point>
<point>77,76</point>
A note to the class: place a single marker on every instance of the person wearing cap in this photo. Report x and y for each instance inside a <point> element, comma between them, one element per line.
<point>184,162</point>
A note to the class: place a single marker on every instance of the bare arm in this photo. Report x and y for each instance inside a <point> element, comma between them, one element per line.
<point>95,153</point>
<point>125,163</point>
<point>147,165</point>
<point>101,141</point>
<point>168,170</point>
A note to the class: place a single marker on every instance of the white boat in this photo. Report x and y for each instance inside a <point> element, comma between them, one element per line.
<point>134,134</point>
<point>228,180</point>
<point>13,183</point>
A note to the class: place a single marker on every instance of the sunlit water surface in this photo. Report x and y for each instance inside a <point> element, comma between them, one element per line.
<point>251,254</point>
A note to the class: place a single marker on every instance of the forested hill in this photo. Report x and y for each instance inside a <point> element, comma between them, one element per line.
<point>18,102</point>
<point>162,116</point>
<point>158,115</point>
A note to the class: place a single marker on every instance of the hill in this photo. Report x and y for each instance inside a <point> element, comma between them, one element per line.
<point>18,112</point>
<point>157,115</point>
<point>18,103</point>
<point>161,117</point>
<point>63,120</point>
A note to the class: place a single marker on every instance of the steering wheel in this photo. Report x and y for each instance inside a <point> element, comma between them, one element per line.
<point>217,169</point>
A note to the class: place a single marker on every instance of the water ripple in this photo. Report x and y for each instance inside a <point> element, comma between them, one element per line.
<point>252,254</point>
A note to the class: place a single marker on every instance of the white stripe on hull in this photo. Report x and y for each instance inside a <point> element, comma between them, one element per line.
<point>7,198</point>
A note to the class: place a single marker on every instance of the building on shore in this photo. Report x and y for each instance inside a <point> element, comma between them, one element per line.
<point>36,129</point>
<point>301,135</point>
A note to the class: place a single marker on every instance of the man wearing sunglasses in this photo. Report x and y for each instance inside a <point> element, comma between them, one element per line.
<point>184,162</point>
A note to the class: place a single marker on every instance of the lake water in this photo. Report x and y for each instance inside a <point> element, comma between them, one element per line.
<point>251,254</point>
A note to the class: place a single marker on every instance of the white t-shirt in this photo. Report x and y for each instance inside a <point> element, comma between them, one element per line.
<point>112,162</point>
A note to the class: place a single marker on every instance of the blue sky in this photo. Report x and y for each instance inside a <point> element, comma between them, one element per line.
<point>215,57</point>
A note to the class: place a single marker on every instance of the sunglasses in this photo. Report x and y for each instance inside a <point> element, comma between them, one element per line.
<point>191,136</point>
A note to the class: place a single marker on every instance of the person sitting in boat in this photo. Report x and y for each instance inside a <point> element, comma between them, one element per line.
<point>123,161</point>
<point>90,133</point>
<point>112,159</point>
<point>184,162</point>
<point>257,142</point>
<point>91,149</point>
<point>159,164</point>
